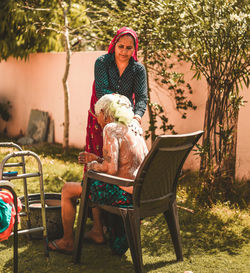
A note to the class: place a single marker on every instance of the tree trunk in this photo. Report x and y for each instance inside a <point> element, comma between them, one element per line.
<point>65,83</point>
<point>150,111</point>
<point>218,157</point>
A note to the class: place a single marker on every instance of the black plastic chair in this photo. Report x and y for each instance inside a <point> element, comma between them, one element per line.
<point>154,192</point>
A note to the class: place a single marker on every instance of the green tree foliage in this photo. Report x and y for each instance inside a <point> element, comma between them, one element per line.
<point>21,32</point>
<point>214,37</point>
<point>29,26</point>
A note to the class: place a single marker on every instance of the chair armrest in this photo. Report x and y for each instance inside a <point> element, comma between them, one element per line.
<point>110,179</point>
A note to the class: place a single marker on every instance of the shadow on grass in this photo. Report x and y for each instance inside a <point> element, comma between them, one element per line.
<point>94,259</point>
<point>157,265</point>
<point>201,231</point>
<point>54,151</point>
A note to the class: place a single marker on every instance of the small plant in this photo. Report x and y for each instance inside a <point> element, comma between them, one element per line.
<point>5,107</point>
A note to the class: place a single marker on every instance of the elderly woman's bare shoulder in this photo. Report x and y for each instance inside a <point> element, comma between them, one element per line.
<point>115,129</point>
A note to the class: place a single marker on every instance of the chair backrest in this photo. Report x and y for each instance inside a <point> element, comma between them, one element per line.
<point>156,181</point>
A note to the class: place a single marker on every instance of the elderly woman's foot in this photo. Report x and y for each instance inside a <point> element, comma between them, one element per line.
<point>94,237</point>
<point>61,246</point>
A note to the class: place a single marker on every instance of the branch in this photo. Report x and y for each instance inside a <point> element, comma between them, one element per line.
<point>56,25</point>
<point>60,3</point>
<point>82,27</point>
<point>186,209</point>
<point>31,8</point>
<point>52,29</point>
<point>69,7</point>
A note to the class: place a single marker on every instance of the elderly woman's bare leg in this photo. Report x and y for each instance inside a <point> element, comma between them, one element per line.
<point>70,193</point>
<point>96,233</point>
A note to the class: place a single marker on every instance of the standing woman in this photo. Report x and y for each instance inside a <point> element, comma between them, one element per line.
<point>118,71</point>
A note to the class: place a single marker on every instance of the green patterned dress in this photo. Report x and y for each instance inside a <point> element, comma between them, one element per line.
<point>107,194</point>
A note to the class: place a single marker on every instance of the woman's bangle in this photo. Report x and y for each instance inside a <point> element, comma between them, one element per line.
<point>91,164</point>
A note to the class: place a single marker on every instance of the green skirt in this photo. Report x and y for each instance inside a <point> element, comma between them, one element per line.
<point>107,194</point>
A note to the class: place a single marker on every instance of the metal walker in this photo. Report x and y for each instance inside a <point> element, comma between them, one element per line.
<point>5,183</point>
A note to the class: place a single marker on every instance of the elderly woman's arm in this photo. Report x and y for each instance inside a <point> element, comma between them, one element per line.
<point>86,157</point>
<point>110,154</point>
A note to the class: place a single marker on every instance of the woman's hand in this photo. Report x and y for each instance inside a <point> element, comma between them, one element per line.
<point>86,157</point>
<point>135,127</point>
<point>138,118</point>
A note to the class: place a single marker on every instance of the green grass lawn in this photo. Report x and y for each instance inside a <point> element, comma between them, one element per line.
<point>214,239</point>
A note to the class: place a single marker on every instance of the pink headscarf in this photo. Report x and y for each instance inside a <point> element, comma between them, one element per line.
<point>119,34</point>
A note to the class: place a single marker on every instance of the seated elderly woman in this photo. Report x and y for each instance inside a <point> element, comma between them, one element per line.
<point>123,152</point>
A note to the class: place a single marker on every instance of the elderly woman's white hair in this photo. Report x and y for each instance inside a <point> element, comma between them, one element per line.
<point>115,106</point>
